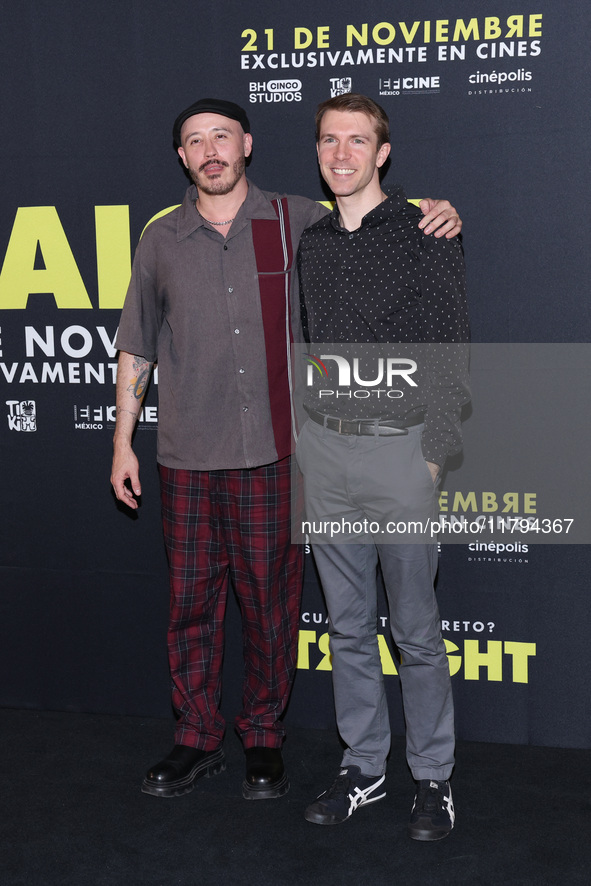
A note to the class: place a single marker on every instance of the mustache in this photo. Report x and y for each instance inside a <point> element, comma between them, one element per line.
<point>210,162</point>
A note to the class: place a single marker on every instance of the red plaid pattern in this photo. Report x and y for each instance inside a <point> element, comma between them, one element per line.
<point>220,526</point>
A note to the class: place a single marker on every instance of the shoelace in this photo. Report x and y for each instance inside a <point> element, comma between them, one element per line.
<point>339,788</point>
<point>428,799</point>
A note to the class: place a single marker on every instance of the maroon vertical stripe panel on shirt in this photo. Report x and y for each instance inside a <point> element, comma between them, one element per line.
<point>272,271</point>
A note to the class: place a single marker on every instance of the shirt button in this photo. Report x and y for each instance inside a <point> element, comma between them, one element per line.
<point>241,370</point>
<point>225,246</point>
<point>245,408</point>
<point>236,331</point>
<point>351,236</point>
<point>230,289</point>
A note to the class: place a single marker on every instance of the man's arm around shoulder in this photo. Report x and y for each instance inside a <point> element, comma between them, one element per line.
<point>440,218</point>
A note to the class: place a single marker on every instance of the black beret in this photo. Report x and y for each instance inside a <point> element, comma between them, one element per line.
<point>212,106</point>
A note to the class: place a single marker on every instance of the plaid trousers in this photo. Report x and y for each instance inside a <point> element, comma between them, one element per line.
<point>220,526</point>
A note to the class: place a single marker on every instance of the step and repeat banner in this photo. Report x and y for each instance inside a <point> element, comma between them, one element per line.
<point>488,104</point>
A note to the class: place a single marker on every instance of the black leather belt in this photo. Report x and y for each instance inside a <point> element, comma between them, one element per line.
<point>366,427</point>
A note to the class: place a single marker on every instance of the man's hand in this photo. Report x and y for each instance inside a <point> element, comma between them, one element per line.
<point>126,467</point>
<point>133,373</point>
<point>433,470</point>
<point>441,217</point>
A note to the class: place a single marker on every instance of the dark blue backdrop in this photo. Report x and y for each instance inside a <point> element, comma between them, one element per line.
<point>488,112</point>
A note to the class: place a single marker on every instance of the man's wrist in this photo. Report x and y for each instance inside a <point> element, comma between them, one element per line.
<point>121,440</point>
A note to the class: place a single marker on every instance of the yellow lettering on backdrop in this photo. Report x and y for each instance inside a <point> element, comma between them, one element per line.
<point>302,37</point>
<point>492,660</point>
<point>455,661</point>
<point>535,25</point>
<point>113,254</point>
<point>304,640</point>
<point>324,647</point>
<point>461,503</point>
<point>515,25</point>
<point>473,658</point>
<point>322,37</point>
<point>354,34</point>
<point>409,35</point>
<point>441,29</point>
<point>463,31</point>
<point>489,501</point>
<point>520,653</point>
<point>529,502</point>
<point>389,36</point>
<point>511,500</point>
<point>159,215</point>
<point>388,666</point>
<point>492,30</point>
<point>40,226</point>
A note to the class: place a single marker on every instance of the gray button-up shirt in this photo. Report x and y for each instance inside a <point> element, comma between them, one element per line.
<point>193,305</point>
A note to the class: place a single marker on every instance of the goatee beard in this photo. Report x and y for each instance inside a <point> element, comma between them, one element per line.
<point>217,186</point>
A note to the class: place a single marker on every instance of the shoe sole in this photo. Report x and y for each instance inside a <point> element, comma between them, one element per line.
<point>427,836</point>
<point>205,769</point>
<point>269,792</point>
<point>318,818</point>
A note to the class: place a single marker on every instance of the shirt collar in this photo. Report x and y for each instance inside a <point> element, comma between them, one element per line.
<point>396,200</point>
<point>256,205</point>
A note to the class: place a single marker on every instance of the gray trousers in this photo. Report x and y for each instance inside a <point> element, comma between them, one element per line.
<point>379,478</point>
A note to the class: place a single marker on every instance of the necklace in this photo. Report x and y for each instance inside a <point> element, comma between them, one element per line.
<point>218,224</point>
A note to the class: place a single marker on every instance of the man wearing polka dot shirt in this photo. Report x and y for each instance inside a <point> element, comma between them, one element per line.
<point>368,274</point>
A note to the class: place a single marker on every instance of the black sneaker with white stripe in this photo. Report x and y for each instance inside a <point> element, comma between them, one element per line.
<point>432,816</point>
<point>350,791</point>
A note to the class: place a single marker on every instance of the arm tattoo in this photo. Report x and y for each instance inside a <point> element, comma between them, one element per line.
<point>138,384</point>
